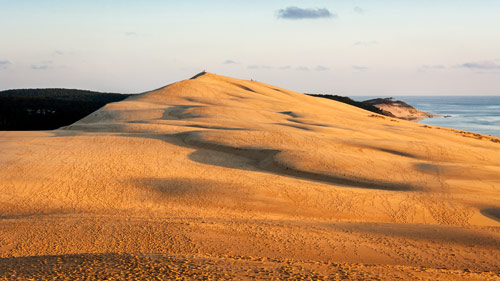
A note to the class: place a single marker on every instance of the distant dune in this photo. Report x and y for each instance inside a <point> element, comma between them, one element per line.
<point>226,178</point>
<point>399,109</point>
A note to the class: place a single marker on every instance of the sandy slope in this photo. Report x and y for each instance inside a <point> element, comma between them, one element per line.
<point>216,167</point>
<point>400,109</point>
<point>405,113</point>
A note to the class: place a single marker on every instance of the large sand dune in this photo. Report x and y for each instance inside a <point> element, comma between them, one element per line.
<point>219,171</point>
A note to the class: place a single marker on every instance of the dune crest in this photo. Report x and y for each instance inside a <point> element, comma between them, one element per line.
<point>217,166</point>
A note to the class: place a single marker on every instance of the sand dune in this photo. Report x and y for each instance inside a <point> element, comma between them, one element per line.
<point>400,109</point>
<point>214,167</point>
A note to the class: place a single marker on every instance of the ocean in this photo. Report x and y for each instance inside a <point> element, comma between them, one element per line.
<point>480,114</point>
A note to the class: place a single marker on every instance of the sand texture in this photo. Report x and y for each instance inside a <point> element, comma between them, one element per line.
<point>221,178</point>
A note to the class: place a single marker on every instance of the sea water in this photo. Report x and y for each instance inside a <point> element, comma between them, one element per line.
<point>478,114</point>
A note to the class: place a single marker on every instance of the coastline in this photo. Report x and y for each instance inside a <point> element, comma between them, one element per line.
<point>400,109</point>
<point>478,114</point>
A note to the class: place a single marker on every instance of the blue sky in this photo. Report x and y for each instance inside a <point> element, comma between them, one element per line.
<point>348,47</point>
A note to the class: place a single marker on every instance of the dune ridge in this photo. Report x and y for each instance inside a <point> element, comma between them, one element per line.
<point>214,166</point>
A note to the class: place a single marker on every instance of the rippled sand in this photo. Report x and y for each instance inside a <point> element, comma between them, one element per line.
<point>221,177</point>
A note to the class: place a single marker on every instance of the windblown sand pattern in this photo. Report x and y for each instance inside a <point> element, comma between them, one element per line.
<point>216,177</point>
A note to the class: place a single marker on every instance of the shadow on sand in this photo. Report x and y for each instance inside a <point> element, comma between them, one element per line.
<point>262,160</point>
<point>492,213</point>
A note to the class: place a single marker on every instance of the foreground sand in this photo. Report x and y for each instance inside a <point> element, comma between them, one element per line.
<point>249,180</point>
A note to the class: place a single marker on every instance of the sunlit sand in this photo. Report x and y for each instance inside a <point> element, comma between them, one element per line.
<point>229,178</point>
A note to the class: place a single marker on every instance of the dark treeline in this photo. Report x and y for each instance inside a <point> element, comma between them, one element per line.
<point>388,101</point>
<point>47,109</point>
<point>360,104</point>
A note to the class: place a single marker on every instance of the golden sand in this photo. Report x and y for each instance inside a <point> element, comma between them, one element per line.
<point>240,179</point>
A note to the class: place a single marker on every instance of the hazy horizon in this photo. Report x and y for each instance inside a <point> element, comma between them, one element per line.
<point>349,48</point>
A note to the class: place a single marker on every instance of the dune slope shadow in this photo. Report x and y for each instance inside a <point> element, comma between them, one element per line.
<point>244,87</point>
<point>261,159</point>
<point>199,190</point>
<point>336,180</point>
<point>432,233</point>
<point>120,266</point>
<point>178,112</point>
<point>492,213</point>
<point>212,127</point>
